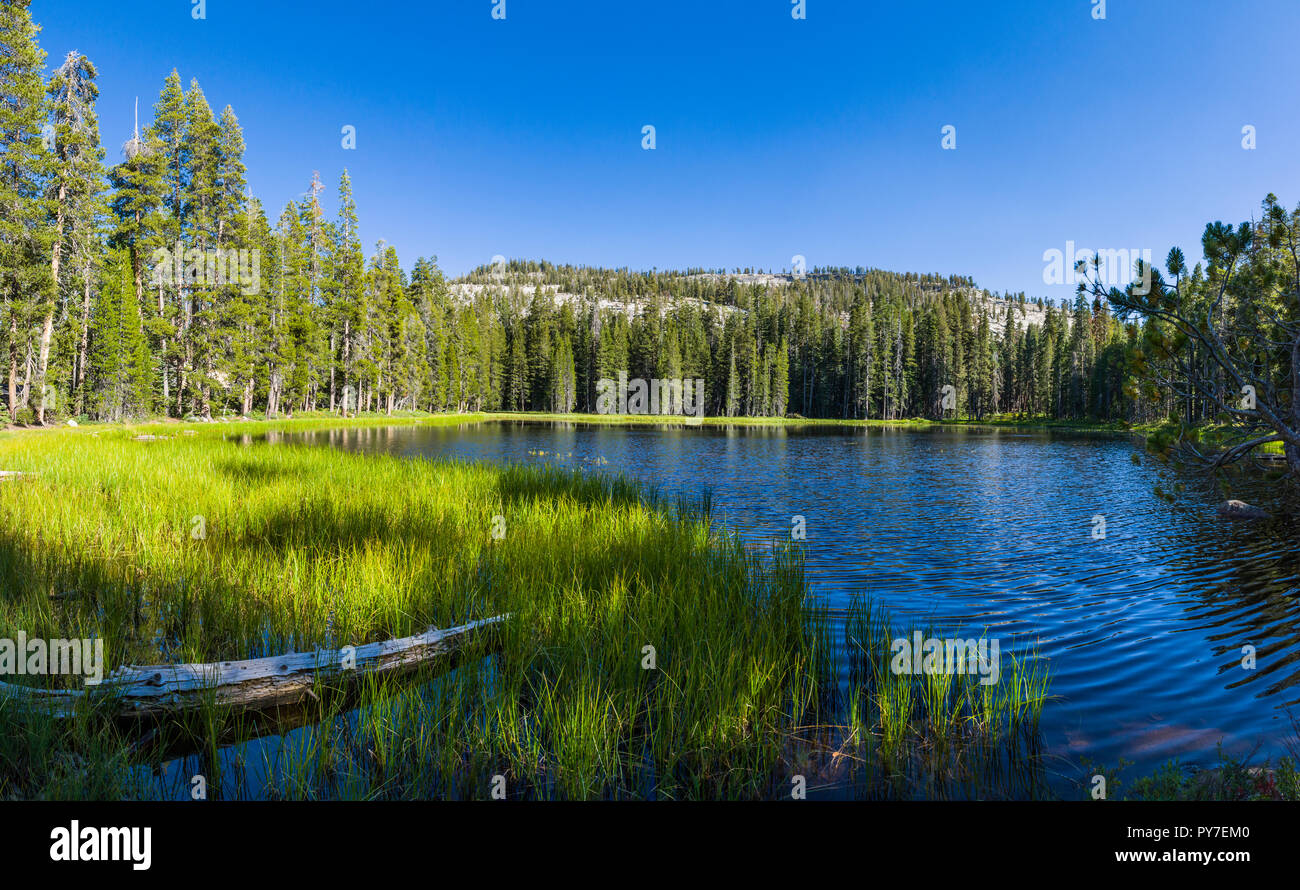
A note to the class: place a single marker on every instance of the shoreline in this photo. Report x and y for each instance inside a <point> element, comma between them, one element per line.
<point>419,418</point>
<point>1155,436</point>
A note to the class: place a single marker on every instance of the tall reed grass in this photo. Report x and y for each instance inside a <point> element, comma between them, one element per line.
<point>648,654</point>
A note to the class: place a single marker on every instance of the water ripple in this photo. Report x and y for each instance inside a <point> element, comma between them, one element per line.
<point>971,531</point>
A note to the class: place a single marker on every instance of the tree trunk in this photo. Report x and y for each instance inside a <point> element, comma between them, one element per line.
<point>1291,448</point>
<point>162,357</point>
<point>347,364</point>
<point>47,329</point>
<point>162,692</point>
<point>27,378</point>
<point>273,395</point>
<point>83,345</point>
<point>13,366</point>
<point>180,386</point>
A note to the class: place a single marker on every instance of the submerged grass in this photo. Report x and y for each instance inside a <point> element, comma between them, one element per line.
<point>648,655</point>
<point>1232,778</point>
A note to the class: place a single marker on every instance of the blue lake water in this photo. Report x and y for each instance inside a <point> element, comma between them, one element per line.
<point>965,531</point>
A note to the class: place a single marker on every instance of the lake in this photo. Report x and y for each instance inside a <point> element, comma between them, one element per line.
<point>1043,539</point>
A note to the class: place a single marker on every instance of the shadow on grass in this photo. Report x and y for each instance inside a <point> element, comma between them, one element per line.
<point>253,471</point>
<point>531,483</point>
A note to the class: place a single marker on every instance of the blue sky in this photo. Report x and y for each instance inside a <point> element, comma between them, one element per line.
<point>775,136</point>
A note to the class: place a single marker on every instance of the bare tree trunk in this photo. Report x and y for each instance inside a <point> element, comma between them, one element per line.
<point>47,329</point>
<point>180,387</point>
<point>13,366</point>
<point>206,390</point>
<point>1289,447</point>
<point>185,357</point>
<point>138,273</point>
<point>83,346</point>
<point>347,365</point>
<point>47,333</point>
<point>162,364</point>
<point>27,377</point>
<point>273,395</point>
<point>332,375</point>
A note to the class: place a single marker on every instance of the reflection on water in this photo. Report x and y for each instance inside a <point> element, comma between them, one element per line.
<point>962,530</point>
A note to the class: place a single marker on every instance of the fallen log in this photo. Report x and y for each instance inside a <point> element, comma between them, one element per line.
<point>261,685</point>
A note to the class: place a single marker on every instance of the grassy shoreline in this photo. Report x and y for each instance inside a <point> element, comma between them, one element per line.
<point>909,423</point>
<point>323,420</point>
<point>648,655</point>
<point>754,686</point>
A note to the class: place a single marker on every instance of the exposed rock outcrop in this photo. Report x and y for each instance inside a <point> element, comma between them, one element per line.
<point>1241,510</point>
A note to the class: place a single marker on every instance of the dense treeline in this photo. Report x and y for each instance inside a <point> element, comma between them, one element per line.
<point>1222,338</point>
<point>160,286</point>
<point>836,343</point>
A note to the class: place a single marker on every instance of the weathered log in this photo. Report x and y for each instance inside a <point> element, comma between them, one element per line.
<point>262,685</point>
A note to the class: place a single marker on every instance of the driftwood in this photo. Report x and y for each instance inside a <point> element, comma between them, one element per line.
<point>262,686</point>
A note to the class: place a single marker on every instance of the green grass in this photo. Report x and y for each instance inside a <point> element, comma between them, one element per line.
<point>308,546</point>
<point>1208,438</point>
<point>1233,778</point>
<point>1157,433</point>
<point>323,420</point>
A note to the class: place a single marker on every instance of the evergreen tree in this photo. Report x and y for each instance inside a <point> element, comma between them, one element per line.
<point>74,187</point>
<point>120,364</point>
<point>26,236</point>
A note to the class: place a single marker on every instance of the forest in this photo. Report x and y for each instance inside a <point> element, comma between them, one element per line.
<point>159,286</point>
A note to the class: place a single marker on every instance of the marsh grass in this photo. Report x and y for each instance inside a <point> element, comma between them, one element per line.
<point>224,545</point>
<point>971,738</point>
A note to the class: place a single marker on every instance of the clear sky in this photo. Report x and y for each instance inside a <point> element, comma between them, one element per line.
<point>775,136</point>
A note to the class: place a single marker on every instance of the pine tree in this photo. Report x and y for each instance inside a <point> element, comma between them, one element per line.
<point>138,198</point>
<point>167,135</point>
<point>238,270</point>
<point>75,185</point>
<point>781,381</point>
<point>201,198</point>
<point>246,319</point>
<point>322,320</point>
<point>26,235</point>
<point>733,387</point>
<point>120,364</point>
